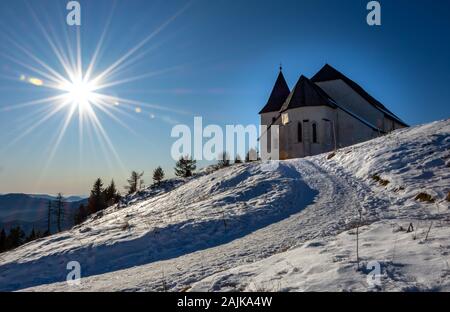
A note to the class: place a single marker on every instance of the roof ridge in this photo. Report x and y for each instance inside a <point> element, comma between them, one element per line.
<point>328,73</point>
<point>310,95</point>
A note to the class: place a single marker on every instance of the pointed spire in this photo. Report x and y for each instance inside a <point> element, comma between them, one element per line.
<point>281,67</point>
<point>279,94</point>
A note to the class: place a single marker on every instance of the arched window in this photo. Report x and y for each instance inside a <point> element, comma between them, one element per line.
<point>299,132</point>
<point>314,132</point>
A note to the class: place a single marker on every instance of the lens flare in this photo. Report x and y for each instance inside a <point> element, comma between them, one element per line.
<point>80,94</point>
<point>76,86</point>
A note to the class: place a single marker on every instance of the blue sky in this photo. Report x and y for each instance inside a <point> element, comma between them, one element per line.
<point>217,59</point>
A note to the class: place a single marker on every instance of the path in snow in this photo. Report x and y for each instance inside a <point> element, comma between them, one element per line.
<point>333,211</point>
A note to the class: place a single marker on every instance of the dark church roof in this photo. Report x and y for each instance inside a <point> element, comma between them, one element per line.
<point>328,73</point>
<point>279,94</point>
<point>306,93</point>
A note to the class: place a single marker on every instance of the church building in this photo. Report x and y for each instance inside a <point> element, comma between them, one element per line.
<point>326,112</point>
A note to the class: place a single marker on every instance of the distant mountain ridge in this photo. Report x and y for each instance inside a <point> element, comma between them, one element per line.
<point>72,198</point>
<point>30,210</point>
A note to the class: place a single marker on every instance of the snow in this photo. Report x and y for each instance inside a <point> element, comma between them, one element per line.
<point>329,264</point>
<point>272,226</point>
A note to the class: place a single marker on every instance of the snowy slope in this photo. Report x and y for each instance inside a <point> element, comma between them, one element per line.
<point>409,161</point>
<point>286,225</point>
<point>328,264</point>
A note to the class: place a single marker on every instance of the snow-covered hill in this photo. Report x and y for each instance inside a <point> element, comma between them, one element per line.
<point>280,225</point>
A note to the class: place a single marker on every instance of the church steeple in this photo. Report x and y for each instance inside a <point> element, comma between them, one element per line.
<point>279,94</point>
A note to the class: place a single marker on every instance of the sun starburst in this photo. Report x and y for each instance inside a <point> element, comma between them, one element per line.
<point>80,93</point>
<point>77,88</point>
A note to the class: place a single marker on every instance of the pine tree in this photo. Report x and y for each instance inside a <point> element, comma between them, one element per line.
<point>81,215</point>
<point>252,155</point>
<point>135,182</point>
<point>2,240</point>
<point>59,210</point>
<point>224,160</point>
<point>96,201</point>
<point>31,237</point>
<point>185,167</point>
<point>15,238</point>
<point>111,194</point>
<point>39,234</point>
<point>158,175</point>
<point>238,160</point>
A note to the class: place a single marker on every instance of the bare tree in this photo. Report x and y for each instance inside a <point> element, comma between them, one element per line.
<point>59,206</point>
<point>135,182</point>
<point>49,216</point>
<point>357,236</point>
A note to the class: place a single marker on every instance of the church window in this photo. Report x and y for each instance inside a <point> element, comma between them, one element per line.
<point>314,132</point>
<point>299,132</point>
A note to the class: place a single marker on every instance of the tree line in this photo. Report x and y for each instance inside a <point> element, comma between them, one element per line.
<point>17,237</point>
<point>102,197</point>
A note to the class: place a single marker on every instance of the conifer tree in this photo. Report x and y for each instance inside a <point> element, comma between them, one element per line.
<point>185,167</point>
<point>81,215</point>
<point>224,160</point>
<point>111,194</point>
<point>2,240</point>
<point>238,160</point>
<point>96,201</point>
<point>252,155</point>
<point>15,238</point>
<point>158,175</point>
<point>31,237</point>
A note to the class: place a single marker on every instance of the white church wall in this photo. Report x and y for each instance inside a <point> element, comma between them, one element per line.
<point>347,129</point>
<point>292,148</point>
<point>267,119</point>
<point>398,126</point>
<point>348,98</point>
<point>352,131</point>
<point>391,125</point>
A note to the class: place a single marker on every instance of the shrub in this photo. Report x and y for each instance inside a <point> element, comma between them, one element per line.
<point>424,197</point>
<point>381,181</point>
<point>331,155</point>
<point>224,160</point>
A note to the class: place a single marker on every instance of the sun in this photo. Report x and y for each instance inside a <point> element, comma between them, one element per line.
<point>81,88</point>
<point>80,93</point>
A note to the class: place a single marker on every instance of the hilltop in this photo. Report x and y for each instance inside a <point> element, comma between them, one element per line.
<point>275,226</point>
